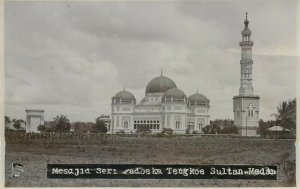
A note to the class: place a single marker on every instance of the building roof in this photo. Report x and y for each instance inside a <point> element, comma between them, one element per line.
<point>277,128</point>
<point>160,84</point>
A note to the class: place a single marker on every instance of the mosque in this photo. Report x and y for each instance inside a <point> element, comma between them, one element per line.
<point>164,106</point>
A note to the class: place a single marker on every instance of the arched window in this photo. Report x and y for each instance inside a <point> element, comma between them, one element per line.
<point>200,124</point>
<point>125,124</point>
<point>177,123</point>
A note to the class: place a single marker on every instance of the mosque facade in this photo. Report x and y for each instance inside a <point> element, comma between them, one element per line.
<point>164,106</point>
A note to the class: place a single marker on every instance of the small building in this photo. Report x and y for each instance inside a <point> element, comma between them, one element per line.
<point>278,132</point>
<point>31,115</point>
<point>106,119</point>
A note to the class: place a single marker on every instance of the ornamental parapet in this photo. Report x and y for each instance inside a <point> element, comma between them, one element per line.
<point>246,61</point>
<point>246,43</point>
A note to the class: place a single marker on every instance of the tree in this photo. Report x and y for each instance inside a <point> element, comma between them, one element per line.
<point>61,124</point>
<point>206,129</point>
<point>83,127</point>
<point>286,115</point>
<point>213,128</point>
<point>76,127</point>
<point>41,128</point>
<point>49,126</point>
<point>231,129</point>
<point>17,124</point>
<point>7,119</point>
<point>99,126</point>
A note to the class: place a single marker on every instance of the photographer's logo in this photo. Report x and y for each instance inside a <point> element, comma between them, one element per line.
<point>16,169</point>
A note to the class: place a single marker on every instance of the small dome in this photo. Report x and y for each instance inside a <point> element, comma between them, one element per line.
<point>124,96</point>
<point>246,30</point>
<point>175,93</point>
<point>198,99</point>
<point>160,84</point>
<point>246,22</point>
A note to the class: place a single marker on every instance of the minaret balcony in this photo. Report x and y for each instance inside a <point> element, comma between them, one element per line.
<point>246,43</point>
<point>246,61</point>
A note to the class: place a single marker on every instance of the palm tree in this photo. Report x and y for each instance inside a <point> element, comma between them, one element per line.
<point>286,115</point>
<point>62,124</point>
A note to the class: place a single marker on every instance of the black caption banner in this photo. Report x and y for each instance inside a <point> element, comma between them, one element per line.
<point>177,171</point>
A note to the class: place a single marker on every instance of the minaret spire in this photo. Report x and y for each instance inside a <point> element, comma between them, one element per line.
<point>246,22</point>
<point>161,71</point>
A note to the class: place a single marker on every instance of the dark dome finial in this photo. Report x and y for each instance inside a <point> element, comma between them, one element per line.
<point>246,22</point>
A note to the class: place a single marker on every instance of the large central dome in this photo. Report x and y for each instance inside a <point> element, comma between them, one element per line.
<point>160,84</point>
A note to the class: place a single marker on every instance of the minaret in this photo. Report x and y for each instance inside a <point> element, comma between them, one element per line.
<point>246,44</point>
<point>246,104</point>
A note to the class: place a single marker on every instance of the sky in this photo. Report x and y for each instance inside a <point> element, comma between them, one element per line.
<point>71,58</point>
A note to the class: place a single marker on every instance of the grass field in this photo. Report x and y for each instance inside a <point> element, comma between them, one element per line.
<point>35,154</point>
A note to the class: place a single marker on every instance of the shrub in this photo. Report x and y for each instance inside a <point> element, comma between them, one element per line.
<point>167,131</point>
<point>41,128</point>
<point>120,132</point>
<point>143,129</point>
<point>187,131</point>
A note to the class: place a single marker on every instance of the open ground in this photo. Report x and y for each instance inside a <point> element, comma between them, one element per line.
<point>36,153</point>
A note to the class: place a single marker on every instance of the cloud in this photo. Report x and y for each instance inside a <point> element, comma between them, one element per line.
<point>72,59</point>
